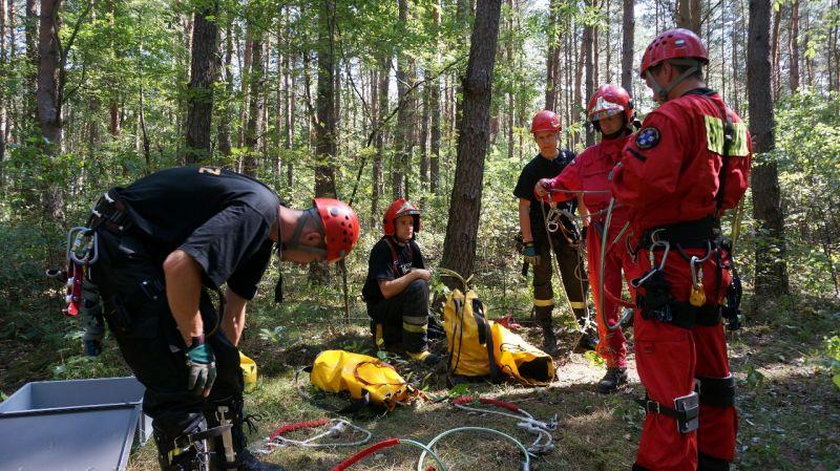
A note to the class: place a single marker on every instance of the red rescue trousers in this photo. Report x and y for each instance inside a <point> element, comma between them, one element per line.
<point>611,345</point>
<point>669,358</point>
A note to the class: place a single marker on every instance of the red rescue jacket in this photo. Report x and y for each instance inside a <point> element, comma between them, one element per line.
<point>670,169</point>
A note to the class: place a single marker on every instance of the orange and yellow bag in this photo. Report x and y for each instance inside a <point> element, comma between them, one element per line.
<point>364,377</point>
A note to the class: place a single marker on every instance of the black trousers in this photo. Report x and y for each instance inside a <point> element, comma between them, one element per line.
<point>572,272</point>
<point>404,318</point>
<point>129,274</point>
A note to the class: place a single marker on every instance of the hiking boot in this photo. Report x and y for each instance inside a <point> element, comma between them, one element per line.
<point>614,378</point>
<point>549,344</point>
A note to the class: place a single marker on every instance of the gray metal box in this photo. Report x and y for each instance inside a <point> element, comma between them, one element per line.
<point>72,425</point>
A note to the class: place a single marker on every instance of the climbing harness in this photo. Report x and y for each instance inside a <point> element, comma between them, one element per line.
<point>544,441</point>
<point>587,323</point>
<point>338,428</point>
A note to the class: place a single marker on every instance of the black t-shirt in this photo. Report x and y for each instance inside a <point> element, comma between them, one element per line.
<point>383,266</point>
<point>540,167</point>
<point>220,218</point>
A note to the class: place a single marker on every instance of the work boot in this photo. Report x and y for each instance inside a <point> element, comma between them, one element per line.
<point>614,378</point>
<point>549,344</point>
<point>543,317</point>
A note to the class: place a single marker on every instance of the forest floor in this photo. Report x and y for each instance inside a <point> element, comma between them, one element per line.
<point>789,409</point>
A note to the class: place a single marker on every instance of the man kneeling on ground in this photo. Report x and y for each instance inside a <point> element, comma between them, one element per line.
<point>397,287</point>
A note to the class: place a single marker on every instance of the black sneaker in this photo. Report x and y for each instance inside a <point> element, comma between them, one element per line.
<point>614,378</point>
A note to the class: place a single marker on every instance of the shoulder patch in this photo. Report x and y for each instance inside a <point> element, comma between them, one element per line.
<point>647,138</point>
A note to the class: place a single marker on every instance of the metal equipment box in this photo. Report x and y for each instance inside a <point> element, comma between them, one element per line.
<point>72,425</point>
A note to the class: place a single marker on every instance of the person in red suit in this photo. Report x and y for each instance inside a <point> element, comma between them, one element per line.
<point>610,111</point>
<point>688,164</point>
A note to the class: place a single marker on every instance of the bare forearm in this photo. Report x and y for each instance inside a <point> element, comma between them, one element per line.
<point>391,288</point>
<point>234,316</point>
<point>183,289</point>
<point>525,220</point>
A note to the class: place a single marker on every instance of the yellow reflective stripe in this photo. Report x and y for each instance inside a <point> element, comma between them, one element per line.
<point>416,320</point>
<point>739,141</point>
<point>714,134</point>
<point>414,328</point>
<point>543,302</point>
<point>577,305</point>
<point>714,137</point>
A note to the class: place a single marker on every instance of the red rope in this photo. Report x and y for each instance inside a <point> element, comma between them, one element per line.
<point>493,402</point>
<point>367,451</point>
<point>297,426</point>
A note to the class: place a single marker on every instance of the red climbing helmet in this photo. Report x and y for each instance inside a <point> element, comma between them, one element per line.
<point>341,227</point>
<point>677,43</point>
<point>610,100</point>
<point>399,208</point>
<point>545,120</point>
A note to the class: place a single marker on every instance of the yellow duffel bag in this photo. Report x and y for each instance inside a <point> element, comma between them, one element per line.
<point>366,378</point>
<point>468,338</point>
<point>520,360</point>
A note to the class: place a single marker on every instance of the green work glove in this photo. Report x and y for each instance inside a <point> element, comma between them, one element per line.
<point>202,365</point>
<point>529,253</point>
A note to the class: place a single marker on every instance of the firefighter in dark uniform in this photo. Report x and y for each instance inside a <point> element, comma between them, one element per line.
<point>688,164</point>
<point>163,242</point>
<point>397,286</point>
<point>538,244</point>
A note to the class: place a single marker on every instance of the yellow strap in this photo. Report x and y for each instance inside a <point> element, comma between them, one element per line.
<point>380,342</point>
<point>577,305</point>
<point>543,302</point>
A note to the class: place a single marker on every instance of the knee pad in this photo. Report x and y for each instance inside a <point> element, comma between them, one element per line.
<point>718,392</point>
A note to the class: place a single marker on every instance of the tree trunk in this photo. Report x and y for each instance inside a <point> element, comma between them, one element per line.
<point>423,138</point>
<point>588,51</point>
<point>404,134</point>
<point>629,30</point>
<point>465,203</point>
<point>382,82</point>
<point>553,58</point>
<point>434,104</point>
<point>255,126</point>
<point>774,53</point>
<point>794,47</point>
<point>3,73</point>
<point>325,144</point>
<point>48,96</point>
<point>200,89</point>
<point>770,269</point>
<point>225,143</point>
<point>688,15</point>
<point>325,126</point>
<point>32,37</point>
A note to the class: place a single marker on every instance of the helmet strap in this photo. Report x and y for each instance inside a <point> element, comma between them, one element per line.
<point>664,91</point>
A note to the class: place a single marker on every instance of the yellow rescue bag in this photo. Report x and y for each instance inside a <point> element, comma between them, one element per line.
<point>249,371</point>
<point>468,337</point>
<point>364,377</point>
<point>517,358</point>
